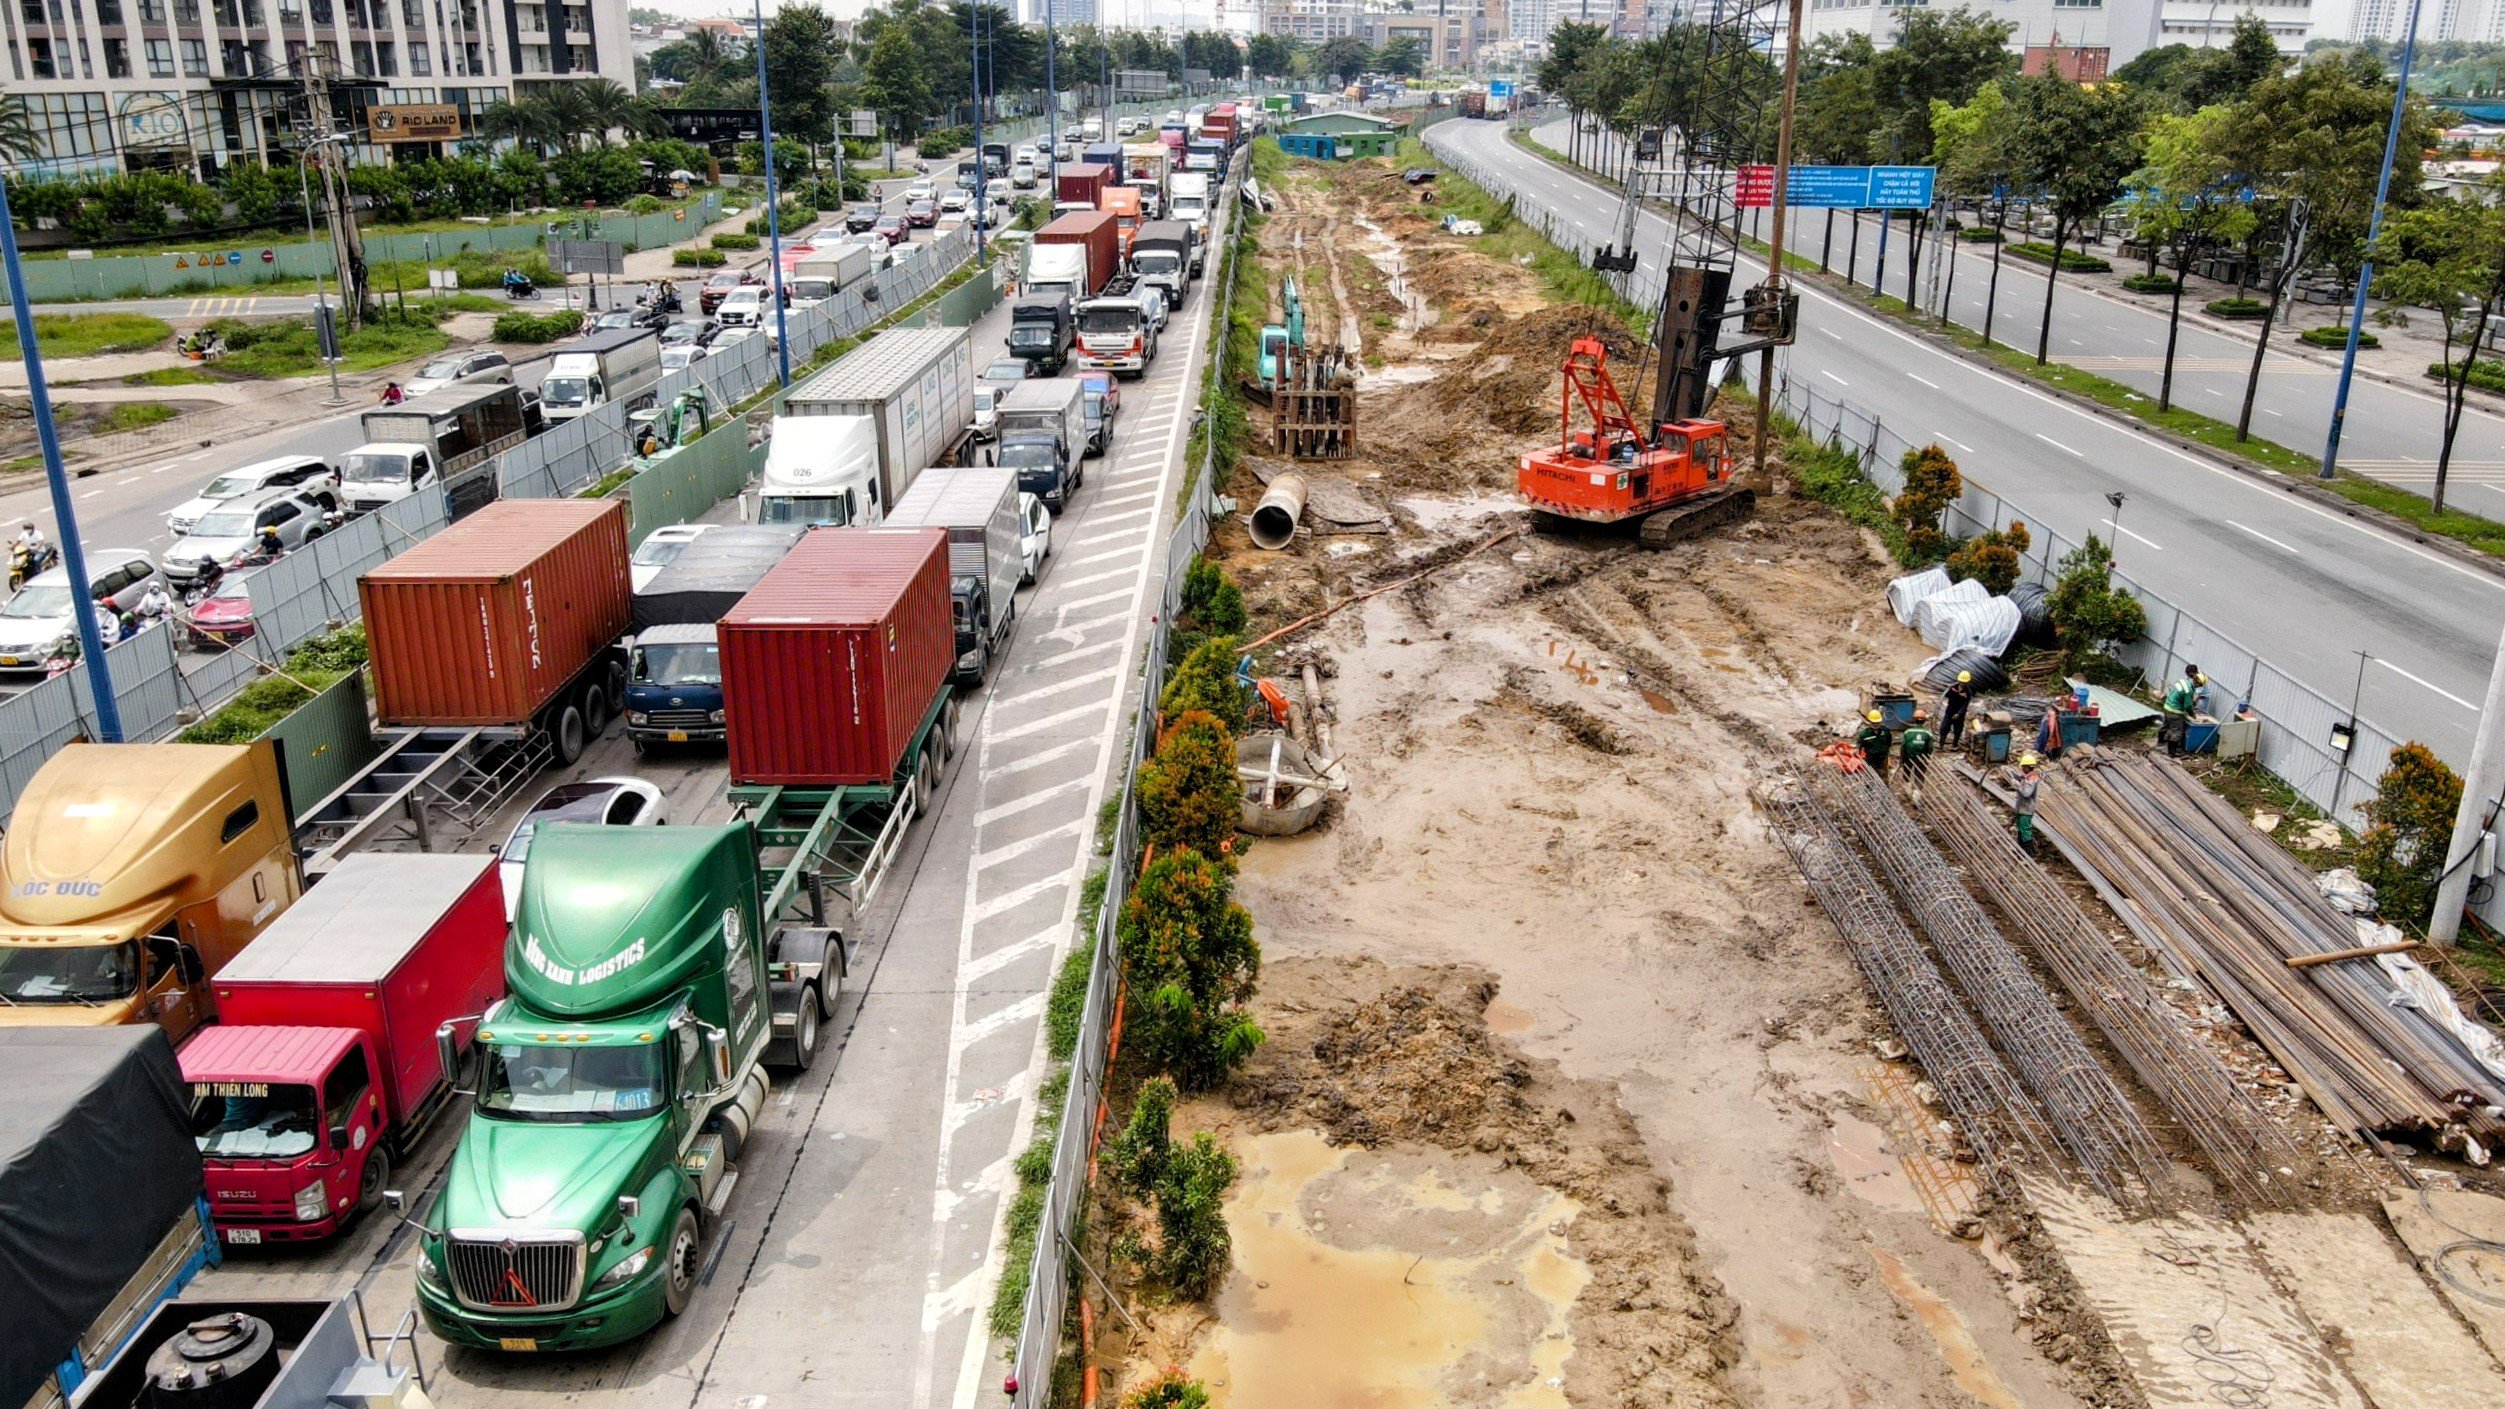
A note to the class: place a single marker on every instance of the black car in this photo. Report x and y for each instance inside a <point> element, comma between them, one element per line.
<point>861,217</point>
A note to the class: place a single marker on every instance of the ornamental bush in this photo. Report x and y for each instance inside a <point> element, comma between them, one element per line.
<point>538,327</point>
<point>1931,485</point>
<point>699,259</point>
<point>1190,961</point>
<point>2089,613</point>
<point>1206,681</point>
<point>1189,794</point>
<point>2409,828</point>
<point>1992,558</point>
<point>2239,308</point>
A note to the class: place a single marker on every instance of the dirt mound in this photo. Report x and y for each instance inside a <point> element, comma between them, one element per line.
<point>1376,1056</point>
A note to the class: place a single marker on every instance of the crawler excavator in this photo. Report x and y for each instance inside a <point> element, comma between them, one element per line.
<point>1670,473</point>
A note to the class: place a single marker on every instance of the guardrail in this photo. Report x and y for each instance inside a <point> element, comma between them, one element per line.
<point>314,589</point>
<point>1049,1276</point>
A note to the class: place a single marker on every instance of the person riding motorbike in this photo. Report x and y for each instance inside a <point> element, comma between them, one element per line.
<point>518,285</point>
<point>155,607</point>
<point>266,549</point>
<point>29,554</point>
<point>108,619</point>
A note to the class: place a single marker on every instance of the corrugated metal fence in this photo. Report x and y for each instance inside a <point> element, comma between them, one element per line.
<point>314,589</point>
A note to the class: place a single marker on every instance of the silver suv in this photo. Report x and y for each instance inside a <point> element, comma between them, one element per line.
<point>232,531</point>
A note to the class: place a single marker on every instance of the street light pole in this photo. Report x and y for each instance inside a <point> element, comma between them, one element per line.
<point>321,300</point>
<point>1052,107</point>
<point>773,212</point>
<point>57,479</point>
<point>2374,227</point>
<point>982,191</point>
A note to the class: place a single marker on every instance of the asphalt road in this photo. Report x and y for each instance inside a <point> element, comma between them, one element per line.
<point>864,1239</point>
<point>2304,587</point>
<point>2392,431</point>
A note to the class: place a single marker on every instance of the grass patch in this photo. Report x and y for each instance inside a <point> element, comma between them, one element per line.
<point>2150,283</point>
<point>134,415</point>
<point>91,334</point>
<point>2072,262</point>
<point>1831,473</point>
<point>1025,1217</point>
<point>22,464</point>
<point>310,669</point>
<point>1067,1003</point>
<point>287,347</point>
<point>1980,235</point>
<point>170,376</point>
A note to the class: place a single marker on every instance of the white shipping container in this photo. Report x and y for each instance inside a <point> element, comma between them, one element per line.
<point>978,505</point>
<point>915,386</point>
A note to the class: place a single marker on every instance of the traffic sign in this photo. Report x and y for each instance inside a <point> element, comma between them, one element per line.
<point>234,256</point>
<point>1841,187</point>
<point>269,256</point>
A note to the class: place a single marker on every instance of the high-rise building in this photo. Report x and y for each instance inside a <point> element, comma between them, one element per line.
<point>193,84</point>
<point>2121,28</point>
<point>2210,24</point>
<point>1314,21</point>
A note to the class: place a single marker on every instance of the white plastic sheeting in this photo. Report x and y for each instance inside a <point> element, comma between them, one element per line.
<point>1966,615</point>
<point>2414,987</point>
<point>1908,592</point>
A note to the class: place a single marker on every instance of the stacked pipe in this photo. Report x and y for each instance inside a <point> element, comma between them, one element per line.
<point>2091,1116</point>
<point>2001,1122</point>
<point>2222,903</point>
<point>2243,1145</point>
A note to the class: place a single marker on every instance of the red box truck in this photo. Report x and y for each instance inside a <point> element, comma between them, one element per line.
<point>323,1068</point>
<point>837,661</point>
<point>1083,181</point>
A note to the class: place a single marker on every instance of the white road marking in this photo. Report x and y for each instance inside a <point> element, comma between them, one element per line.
<point>2109,523</point>
<point>1926,381</point>
<point>2057,445</point>
<point>2405,675</point>
<point>1839,381</point>
<point>1034,799</point>
<point>1075,682</point>
<point>984,861</point>
<point>2257,533</point>
<point>1952,440</point>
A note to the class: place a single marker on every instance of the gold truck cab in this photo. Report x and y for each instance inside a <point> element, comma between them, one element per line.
<point>131,873</point>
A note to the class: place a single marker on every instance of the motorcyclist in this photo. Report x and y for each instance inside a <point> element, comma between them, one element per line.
<point>516,283</point>
<point>108,618</point>
<point>155,607</point>
<point>30,538</point>
<point>267,548</point>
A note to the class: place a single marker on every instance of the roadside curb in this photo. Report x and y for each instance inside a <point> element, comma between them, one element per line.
<point>2452,549</point>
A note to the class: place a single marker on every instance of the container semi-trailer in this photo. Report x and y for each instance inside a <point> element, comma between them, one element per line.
<point>1082,181</point>
<point>674,665</point>
<point>978,506</point>
<point>848,442</point>
<point>1074,255</point>
<point>323,1069</point>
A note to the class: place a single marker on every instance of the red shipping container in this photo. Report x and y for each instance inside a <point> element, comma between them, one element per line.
<point>1083,181</point>
<point>1096,229</point>
<point>486,621</point>
<point>831,661</point>
<point>391,945</point>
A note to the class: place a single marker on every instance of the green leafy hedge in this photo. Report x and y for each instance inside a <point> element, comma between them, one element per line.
<point>2244,308</point>
<point>2337,336</point>
<point>733,240</point>
<point>699,259</point>
<point>2072,262</point>
<point>2150,283</point>
<point>943,141</point>
<point>1980,234</point>
<point>2487,376</point>
<point>539,327</point>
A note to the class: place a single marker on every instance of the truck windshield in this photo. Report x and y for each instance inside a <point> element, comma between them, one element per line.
<point>1108,318</point>
<point>1156,262</point>
<point>817,511</point>
<point>565,391</point>
<point>686,664</point>
<point>1035,335</point>
<point>1029,455</point>
<point>55,972</point>
<point>252,1119</point>
<point>375,469</point>
<point>570,1084</point>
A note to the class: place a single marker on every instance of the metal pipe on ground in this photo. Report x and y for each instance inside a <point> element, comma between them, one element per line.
<point>1274,519</point>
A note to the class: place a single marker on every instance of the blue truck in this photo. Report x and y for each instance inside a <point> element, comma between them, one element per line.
<point>674,668</point>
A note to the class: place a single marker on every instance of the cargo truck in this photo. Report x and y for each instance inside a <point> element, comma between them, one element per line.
<point>1043,436</point>
<point>848,442</point>
<point>674,666</point>
<point>1116,331</point>
<point>322,1070</point>
<point>1144,167</point>
<point>1220,125</point>
<point>224,1352</point>
<point>1189,197</point>
<point>134,873</point>
<point>841,266</point>
<point>1082,181</point>
<point>100,1185</point>
<point>1122,203</point>
<point>622,365</point>
<point>1162,255</point>
<point>1107,155</point>
<point>1041,330</point>
<point>1202,154</point>
<point>428,439</point>
<point>978,506</point>
<point>1073,256</point>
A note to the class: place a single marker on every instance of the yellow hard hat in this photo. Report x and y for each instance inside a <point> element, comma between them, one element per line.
<point>2026,760</point>
<point>1965,677</point>
<point>1874,716</point>
<point>2199,679</point>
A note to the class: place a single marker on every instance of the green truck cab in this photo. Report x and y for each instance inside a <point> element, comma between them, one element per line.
<point>614,1087</point>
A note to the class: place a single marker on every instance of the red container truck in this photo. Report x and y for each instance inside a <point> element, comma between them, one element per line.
<point>1083,181</point>
<point>837,661</point>
<point>508,619</point>
<point>1095,231</point>
<point>1220,125</point>
<point>323,1069</point>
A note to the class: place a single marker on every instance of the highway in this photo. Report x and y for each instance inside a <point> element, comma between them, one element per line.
<point>864,1239</point>
<point>2304,587</point>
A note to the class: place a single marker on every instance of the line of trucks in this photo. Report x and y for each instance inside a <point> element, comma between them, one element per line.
<point>615,1035</point>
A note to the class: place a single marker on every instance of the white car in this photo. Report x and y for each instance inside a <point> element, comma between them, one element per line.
<point>661,548</point>
<point>678,357</point>
<point>958,199</point>
<point>743,307</point>
<point>921,191</point>
<point>1034,537</point>
<point>307,472</point>
<point>477,367</point>
<point>39,622</point>
<point>599,802</point>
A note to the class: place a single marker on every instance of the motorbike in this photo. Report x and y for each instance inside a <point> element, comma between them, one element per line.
<point>520,288</point>
<point>23,565</point>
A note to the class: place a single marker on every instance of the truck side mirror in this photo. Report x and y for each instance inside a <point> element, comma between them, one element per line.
<point>718,1052</point>
<point>395,1201</point>
<point>629,1206</point>
<point>449,1056</point>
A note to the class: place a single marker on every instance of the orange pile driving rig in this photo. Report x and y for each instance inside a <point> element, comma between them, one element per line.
<point>1673,482</point>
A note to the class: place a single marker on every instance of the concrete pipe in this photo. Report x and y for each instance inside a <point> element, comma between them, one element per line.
<point>1274,518</point>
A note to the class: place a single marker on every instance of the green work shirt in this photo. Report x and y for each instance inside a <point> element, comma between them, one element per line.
<point>1872,741</point>
<point>1915,742</point>
<point>2179,697</point>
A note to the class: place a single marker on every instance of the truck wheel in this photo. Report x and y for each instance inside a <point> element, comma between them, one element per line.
<point>948,716</point>
<point>377,1177</point>
<point>595,711</point>
<point>685,1254</point>
<point>805,1033</point>
<point>830,980</point>
<point>569,733</point>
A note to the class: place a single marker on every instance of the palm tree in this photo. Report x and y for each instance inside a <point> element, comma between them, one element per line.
<point>607,106</point>
<point>20,139</point>
<point>565,112</point>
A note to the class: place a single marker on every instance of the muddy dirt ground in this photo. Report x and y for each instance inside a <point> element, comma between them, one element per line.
<point>1572,1096</point>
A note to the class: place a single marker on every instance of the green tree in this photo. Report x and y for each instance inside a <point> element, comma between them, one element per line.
<point>2409,828</point>
<point>1193,1243</point>
<point>1569,45</point>
<point>2072,146</point>
<point>1970,146</point>
<point>2448,257</point>
<point>2090,614</point>
<point>892,84</point>
<point>2230,73</point>
<point>1189,962</point>
<point>2187,196</point>
<point>1345,57</point>
<point>1401,54</point>
<point>1206,681</point>
<point>800,52</point>
<point>1189,793</point>
<point>1839,116</point>
<point>1931,485</point>
<point>1992,557</point>
<point>1137,1156</point>
<point>1272,55</point>
<point>1938,55</point>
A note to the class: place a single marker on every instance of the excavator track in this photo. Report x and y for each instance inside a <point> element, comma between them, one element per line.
<point>1681,522</point>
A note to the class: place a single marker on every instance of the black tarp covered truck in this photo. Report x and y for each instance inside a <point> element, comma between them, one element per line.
<point>102,1214</point>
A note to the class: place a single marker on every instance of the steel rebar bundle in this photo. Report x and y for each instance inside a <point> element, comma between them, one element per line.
<point>2225,905</point>
<point>2000,1120</point>
<point>2091,1116</point>
<point>2244,1146</point>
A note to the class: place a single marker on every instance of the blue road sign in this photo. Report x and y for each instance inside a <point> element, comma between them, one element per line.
<point>1862,187</point>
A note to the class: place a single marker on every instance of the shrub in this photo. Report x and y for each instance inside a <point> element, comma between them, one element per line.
<point>799,207</point>
<point>2487,376</point>
<point>1137,1158</point>
<point>317,664</point>
<point>2238,307</point>
<point>2337,336</point>
<point>942,141</point>
<point>733,240</point>
<point>1189,794</point>
<point>1194,1246</point>
<point>539,327</point>
<point>2409,828</point>
<point>2072,261</point>
<point>2150,283</point>
<point>699,259</point>
<point>1169,1391</point>
<point>1190,960</point>
<point>1211,600</point>
<point>1980,234</point>
<point>1931,485</point>
<point>1992,558</point>
<point>2089,613</point>
<point>1066,1006</point>
<point>1206,680</point>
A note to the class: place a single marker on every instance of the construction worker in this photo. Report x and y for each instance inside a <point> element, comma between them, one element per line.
<point>2182,697</point>
<point>2024,807</point>
<point>1953,709</point>
<point>1874,742</point>
<point>1915,744</point>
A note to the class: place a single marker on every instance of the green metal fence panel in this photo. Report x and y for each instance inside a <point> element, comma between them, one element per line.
<point>964,305</point>
<point>681,487</point>
<point>325,741</point>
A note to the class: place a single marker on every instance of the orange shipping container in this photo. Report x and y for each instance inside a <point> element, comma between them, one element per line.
<point>832,661</point>
<point>488,620</point>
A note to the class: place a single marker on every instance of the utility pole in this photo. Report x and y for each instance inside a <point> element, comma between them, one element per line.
<point>2487,771</point>
<point>2374,227</point>
<point>321,300</point>
<point>982,193</point>
<point>1782,198</point>
<point>347,243</point>
<point>773,210</point>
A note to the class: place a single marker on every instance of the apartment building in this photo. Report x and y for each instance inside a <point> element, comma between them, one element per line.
<point>2210,24</point>
<point>2123,29</point>
<point>1447,31</point>
<point>115,85</point>
<point>1314,21</point>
